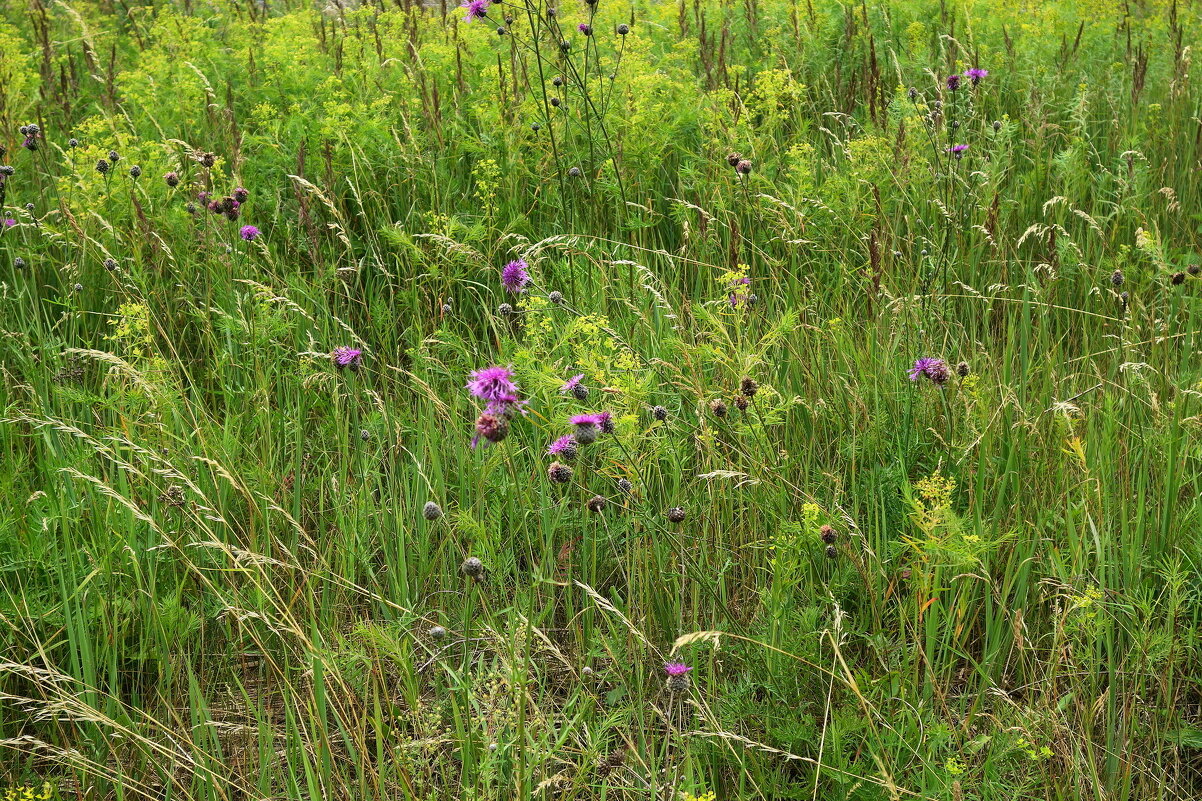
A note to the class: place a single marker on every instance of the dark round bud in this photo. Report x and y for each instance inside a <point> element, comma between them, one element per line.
<point>72,142</point>
<point>586,434</point>
<point>555,101</point>
<point>580,392</point>
<point>733,159</point>
<point>19,263</point>
<point>962,369</point>
<point>955,124</point>
<point>364,434</point>
<point>659,413</point>
<point>501,31</point>
<point>623,29</point>
<point>8,170</point>
<point>172,179</point>
<point>437,633</point>
<point>1178,279</point>
<point>753,299</point>
<point>565,46</point>
<point>743,167</point>
<point>574,172</point>
<point>624,486</point>
<point>676,514</point>
<point>77,288</point>
<point>505,310</point>
<point>190,208</point>
<point>472,567</point>
<point>608,426</point>
<point>679,684</point>
<point>569,451</point>
<point>551,13</point>
<point>748,387</point>
<point>509,20</point>
<point>596,504</point>
<point>102,166</point>
<point>828,535</point>
<point>925,252</point>
<point>492,427</point>
<point>556,297</point>
<point>241,194</point>
<point>559,473</point>
<point>446,308</point>
<point>997,125</point>
<point>557,80</point>
<point>913,93</point>
<point>1193,269</point>
<point>534,126</point>
<point>831,552</point>
<point>23,130</point>
<point>718,407</point>
<point>431,511</point>
<point>110,264</point>
<point>741,403</point>
<point>30,207</point>
<point>114,157</point>
<point>897,254</point>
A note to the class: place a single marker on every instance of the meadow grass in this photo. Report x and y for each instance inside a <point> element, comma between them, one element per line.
<point>232,567</point>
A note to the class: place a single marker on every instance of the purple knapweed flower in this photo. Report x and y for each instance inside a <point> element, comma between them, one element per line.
<point>588,427</point>
<point>249,233</point>
<point>676,668</point>
<point>957,149</point>
<point>585,28</point>
<point>493,384</point>
<point>572,383</point>
<point>975,75</point>
<point>953,82</point>
<point>345,356</point>
<point>241,194</point>
<point>515,276</point>
<point>565,446</point>
<point>476,9</point>
<point>605,422</point>
<point>10,222</point>
<point>934,369</point>
<point>592,419</point>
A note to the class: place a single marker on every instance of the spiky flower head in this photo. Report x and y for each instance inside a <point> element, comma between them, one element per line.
<point>743,167</point>
<point>718,407</point>
<point>934,369</point>
<point>492,427</point>
<point>676,514</point>
<point>962,369</point>
<point>515,275</point>
<point>476,9</point>
<point>623,29</point>
<point>741,403</point>
<point>249,232</point>
<point>733,159</point>
<point>493,384</point>
<point>1117,278</point>
<point>828,535</point>
<point>831,552</point>
<point>564,448</point>
<point>596,504</point>
<point>1178,279</point>
<point>958,150</point>
<point>585,28</point>
<point>578,390</point>
<point>574,172</point>
<point>588,427</point>
<point>976,75</point>
<point>953,82</point>
<point>659,413</point>
<point>472,567</point>
<point>241,194</point>
<point>748,386</point>
<point>102,166</point>
<point>431,511</point>
<point>556,297</point>
<point>559,473</point>
<point>605,421</point>
<point>172,179</point>
<point>345,356</point>
<point>135,171</point>
<point>678,676</point>
<point>624,486</point>
<point>114,156</point>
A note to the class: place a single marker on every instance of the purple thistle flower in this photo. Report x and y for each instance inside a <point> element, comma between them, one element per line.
<point>957,149</point>
<point>975,75</point>
<point>476,9</point>
<point>593,420</point>
<point>934,369</point>
<point>10,222</point>
<point>493,384</point>
<point>241,194</point>
<point>515,276</point>
<point>249,233</point>
<point>345,356</point>
<point>585,28</point>
<point>572,383</point>
<point>953,82</point>
<point>588,427</point>
<point>676,668</point>
<point>605,422</point>
<point>565,446</point>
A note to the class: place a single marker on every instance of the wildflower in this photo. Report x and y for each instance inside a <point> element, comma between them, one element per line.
<point>1125,300</point>
<point>574,172</point>
<point>102,166</point>
<point>957,150</point>
<point>437,633</point>
<point>73,143</point>
<point>997,125</point>
<point>9,222</point>
<point>493,384</point>
<point>934,369</point>
<point>912,93</point>
<point>555,101</point>
<point>172,179</point>
<point>476,9</point>
<point>743,167</point>
<point>585,28</point>
<point>431,511</point>
<point>975,75</point>
<point>828,535</point>
<point>345,356</point>
<point>501,30</point>
<point>557,80</point>
<point>249,233</point>
<point>472,567</point>
<point>659,413</point>
<point>505,310</point>
<point>207,160</point>
<point>515,275</point>
<point>565,448</point>
<point>446,308</point>
<point>605,422</point>
<point>623,29</point>
<point>596,504</point>
<point>678,676</point>
<point>556,297</point>
<point>135,172</point>
<point>19,263</point>
<point>559,473</point>
<point>953,82</point>
<point>831,552</point>
<point>588,427</point>
<point>962,369</point>
<point>241,195</point>
<point>1117,278</point>
<point>733,159</point>
<point>1178,279</point>
<point>718,408</point>
<point>748,386</point>
<point>364,434</point>
<point>624,486</point>
<point>676,514</point>
<point>110,265</point>
<point>492,427</point>
<point>7,171</point>
<point>741,403</point>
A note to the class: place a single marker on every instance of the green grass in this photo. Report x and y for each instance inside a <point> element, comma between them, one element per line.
<point>216,579</point>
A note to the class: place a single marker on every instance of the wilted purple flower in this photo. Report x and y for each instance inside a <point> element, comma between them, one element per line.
<point>491,427</point>
<point>345,356</point>
<point>605,422</point>
<point>249,233</point>
<point>476,9</point>
<point>493,384</point>
<point>515,275</point>
<point>585,28</point>
<point>975,75</point>
<point>934,369</point>
<point>953,82</point>
<point>676,668</point>
<point>241,195</point>
<point>571,384</point>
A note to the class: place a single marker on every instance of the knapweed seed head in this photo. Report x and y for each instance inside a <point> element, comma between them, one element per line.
<point>559,473</point>
<point>505,310</point>
<point>733,159</point>
<point>73,143</point>
<point>556,297</point>
<point>172,179</point>
<point>962,369</point>
<point>718,407</point>
<point>19,263</point>
<point>742,403</point>
<point>676,514</point>
<point>596,504</point>
<point>515,275</point>
<point>492,427</point>
<point>431,511</point>
<point>743,167</point>
<point>828,535</point>
<point>748,386</point>
<point>575,172</point>
<point>345,357</point>
<point>659,413</point>
<point>472,567</point>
